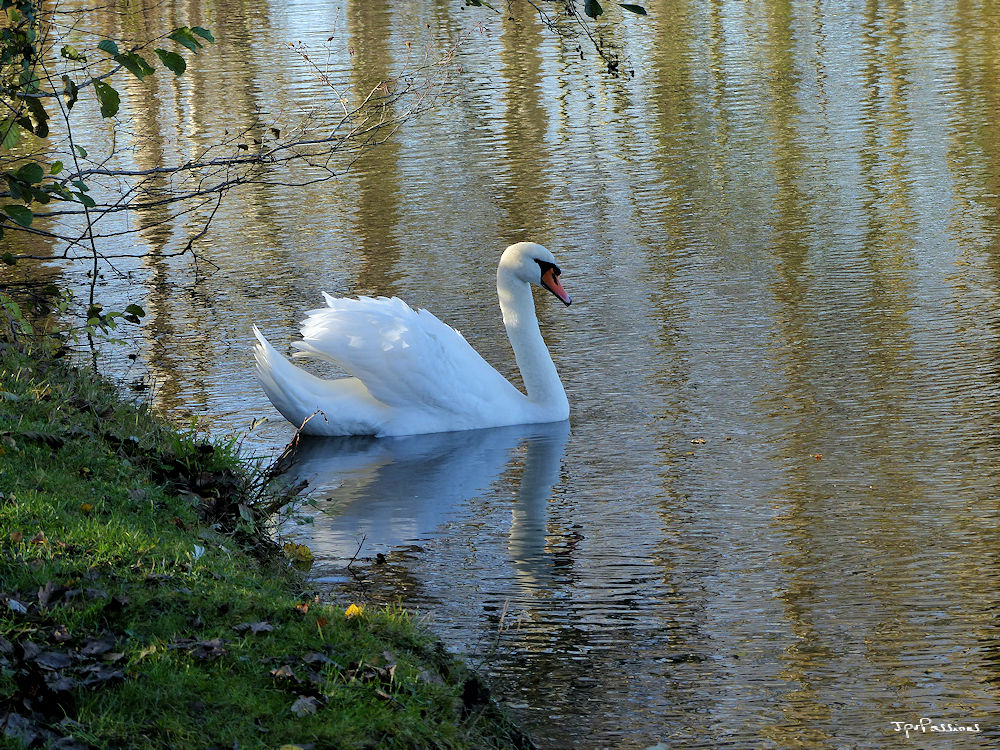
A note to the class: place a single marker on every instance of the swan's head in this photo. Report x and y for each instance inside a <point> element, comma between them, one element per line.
<point>533,264</point>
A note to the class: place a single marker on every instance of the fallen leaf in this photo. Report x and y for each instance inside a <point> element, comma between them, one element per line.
<point>305,705</point>
<point>97,646</point>
<point>201,649</point>
<point>209,649</point>
<point>254,627</point>
<point>61,634</point>
<point>16,606</point>
<point>39,538</point>
<point>16,537</point>
<point>353,611</point>
<point>85,508</point>
<point>699,441</point>
<point>302,608</point>
<point>102,674</point>
<point>53,659</point>
<point>283,672</point>
<point>316,657</point>
<point>20,728</point>
<point>61,684</point>
<point>48,593</point>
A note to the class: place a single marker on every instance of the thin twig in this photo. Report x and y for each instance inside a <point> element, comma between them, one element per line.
<point>354,559</point>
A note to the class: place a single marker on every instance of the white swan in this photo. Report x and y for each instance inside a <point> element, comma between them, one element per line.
<point>413,374</point>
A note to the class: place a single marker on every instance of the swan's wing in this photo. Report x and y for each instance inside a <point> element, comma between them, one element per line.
<point>322,407</point>
<point>405,357</point>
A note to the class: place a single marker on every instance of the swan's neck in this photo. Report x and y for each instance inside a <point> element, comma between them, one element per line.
<point>541,381</point>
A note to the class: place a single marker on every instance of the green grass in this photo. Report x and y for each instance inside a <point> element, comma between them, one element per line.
<point>140,611</point>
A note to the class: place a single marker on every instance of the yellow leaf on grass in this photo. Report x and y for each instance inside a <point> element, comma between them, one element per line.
<point>353,611</point>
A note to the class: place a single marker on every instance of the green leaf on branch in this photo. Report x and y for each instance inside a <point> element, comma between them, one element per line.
<point>82,151</point>
<point>70,92</point>
<point>186,38</point>
<point>30,173</point>
<point>80,185</point>
<point>8,257</point>
<point>135,64</point>
<point>172,60</point>
<point>28,80</point>
<point>203,33</point>
<point>108,99</point>
<point>638,9</point>
<point>56,168</point>
<point>33,117</point>
<point>72,53</point>
<point>108,46</point>
<point>10,133</point>
<point>133,313</point>
<point>592,8</point>
<point>21,214</point>
<point>85,200</point>
<point>54,188</point>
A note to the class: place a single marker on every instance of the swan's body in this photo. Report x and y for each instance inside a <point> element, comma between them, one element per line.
<point>413,374</point>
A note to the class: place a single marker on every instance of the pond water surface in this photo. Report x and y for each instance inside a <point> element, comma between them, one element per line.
<point>773,519</point>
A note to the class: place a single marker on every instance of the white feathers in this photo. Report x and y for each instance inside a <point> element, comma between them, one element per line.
<point>410,373</point>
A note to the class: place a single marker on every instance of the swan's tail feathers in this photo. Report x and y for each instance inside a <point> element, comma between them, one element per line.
<point>292,390</point>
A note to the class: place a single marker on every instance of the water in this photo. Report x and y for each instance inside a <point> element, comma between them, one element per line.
<point>773,518</point>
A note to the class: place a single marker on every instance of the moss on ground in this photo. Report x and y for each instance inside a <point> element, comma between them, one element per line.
<point>137,612</point>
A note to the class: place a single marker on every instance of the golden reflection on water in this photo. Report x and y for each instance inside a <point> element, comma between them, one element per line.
<point>774,523</point>
<point>369,28</point>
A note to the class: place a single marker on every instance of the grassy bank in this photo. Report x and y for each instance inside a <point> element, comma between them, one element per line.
<point>136,613</point>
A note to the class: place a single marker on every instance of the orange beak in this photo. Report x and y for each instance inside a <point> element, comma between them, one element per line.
<point>551,282</point>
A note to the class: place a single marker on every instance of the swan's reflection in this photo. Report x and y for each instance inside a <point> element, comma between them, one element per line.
<point>394,492</point>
